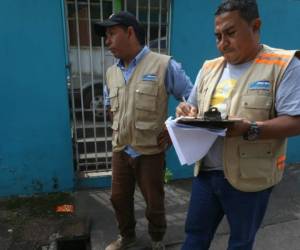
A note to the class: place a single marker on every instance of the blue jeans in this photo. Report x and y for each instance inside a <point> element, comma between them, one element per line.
<point>212,197</point>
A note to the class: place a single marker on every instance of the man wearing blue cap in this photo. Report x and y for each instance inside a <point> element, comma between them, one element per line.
<point>138,86</point>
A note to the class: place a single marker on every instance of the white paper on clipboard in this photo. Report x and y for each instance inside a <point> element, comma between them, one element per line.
<point>191,143</point>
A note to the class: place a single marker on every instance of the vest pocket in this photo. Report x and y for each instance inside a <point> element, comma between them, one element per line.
<point>145,103</point>
<point>113,98</point>
<point>257,106</point>
<point>256,160</point>
<point>146,116</point>
<point>145,133</point>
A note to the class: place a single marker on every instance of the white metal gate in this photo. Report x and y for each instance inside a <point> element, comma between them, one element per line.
<point>89,60</point>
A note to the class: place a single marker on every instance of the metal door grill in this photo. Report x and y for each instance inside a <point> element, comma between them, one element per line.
<point>89,60</point>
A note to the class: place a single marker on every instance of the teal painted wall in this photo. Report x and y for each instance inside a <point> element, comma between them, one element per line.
<point>192,41</point>
<point>35,148</point>
<point>281,22</point>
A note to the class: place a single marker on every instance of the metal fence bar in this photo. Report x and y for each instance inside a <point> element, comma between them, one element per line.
<point>168,24</point>
<point>70,85</point>
<point>113,6</point>
<point>80,75</point>
<point>148,21</point>
<point>137,12</point>
<point>92,75</point>
<point>159,26</point>
<point>103,86</point>
<point>125,5</point>
<point>93,163</point>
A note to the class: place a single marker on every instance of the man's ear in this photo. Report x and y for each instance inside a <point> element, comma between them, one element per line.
<point>130,31</point>
<point>256,25</point>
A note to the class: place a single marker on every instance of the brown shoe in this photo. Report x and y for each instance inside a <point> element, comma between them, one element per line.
<point>158,245</point>
<point>122,243</point>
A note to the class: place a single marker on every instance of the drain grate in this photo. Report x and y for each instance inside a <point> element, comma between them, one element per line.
<point>80,243</point>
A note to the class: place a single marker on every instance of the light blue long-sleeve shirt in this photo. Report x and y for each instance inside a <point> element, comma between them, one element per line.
<point>177,83</point>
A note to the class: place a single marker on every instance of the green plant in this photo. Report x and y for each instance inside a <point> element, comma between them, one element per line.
<point>168,175</point>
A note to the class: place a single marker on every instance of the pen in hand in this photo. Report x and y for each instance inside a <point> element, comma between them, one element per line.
<point>189,109</point>
<point>186,107</point>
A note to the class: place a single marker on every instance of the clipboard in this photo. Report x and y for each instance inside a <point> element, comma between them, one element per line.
<point>212,119</point>
<point>201,122</point>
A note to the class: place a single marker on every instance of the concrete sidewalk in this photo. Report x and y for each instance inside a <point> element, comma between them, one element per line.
<point>280,229</point>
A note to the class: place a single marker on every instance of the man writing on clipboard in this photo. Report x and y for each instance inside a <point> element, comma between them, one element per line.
<point>259,84</point>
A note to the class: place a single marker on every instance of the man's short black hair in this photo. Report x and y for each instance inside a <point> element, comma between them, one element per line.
<point>247,8</point>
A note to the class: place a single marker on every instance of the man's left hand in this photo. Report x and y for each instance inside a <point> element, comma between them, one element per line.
<point>238,128</point>
<point>164,139</point>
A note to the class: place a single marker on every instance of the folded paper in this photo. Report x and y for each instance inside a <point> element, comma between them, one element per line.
<point>191,143</point>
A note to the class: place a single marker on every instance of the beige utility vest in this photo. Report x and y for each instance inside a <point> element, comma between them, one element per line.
<point>139,107</point>
<point>250,165</point>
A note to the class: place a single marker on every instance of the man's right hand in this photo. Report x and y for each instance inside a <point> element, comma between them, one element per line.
<point>186,109</point>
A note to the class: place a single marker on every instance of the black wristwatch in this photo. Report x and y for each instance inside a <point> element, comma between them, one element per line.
<point>252,133</point>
